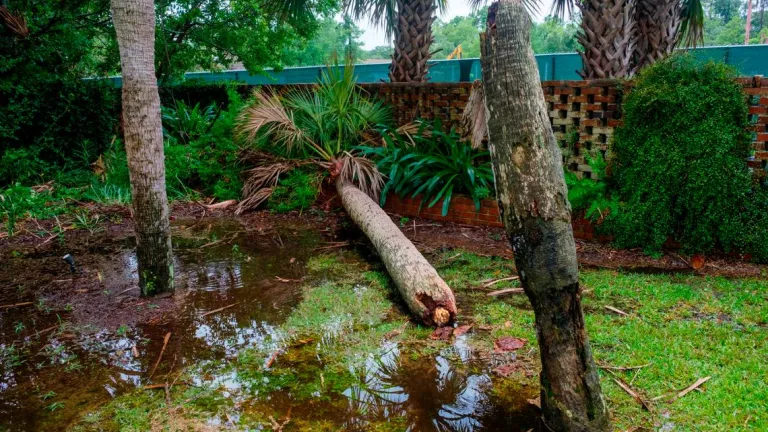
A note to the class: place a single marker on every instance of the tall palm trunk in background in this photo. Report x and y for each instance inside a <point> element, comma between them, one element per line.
<point>533,199</point>
<point>607,38</point>
<point>134,22</point>
<point>658,30</point>
<point>413,40</point>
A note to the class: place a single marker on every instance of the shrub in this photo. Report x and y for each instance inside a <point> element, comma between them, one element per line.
<point>432,163</point>
<point>296,191</point>
<point>54,125</point>
<point>680,163</point>
<point>592,194</point>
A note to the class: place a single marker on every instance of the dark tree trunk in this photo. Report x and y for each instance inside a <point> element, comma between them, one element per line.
<point>533,199</point>
<point>135,27</point>
<point>658,30</point>
<point>607,38</point>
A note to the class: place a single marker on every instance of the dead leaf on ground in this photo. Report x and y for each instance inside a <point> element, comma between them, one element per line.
<point>506,344</point>
<point>442,333</point>
<point>507,369</point>
<point>460,330</point>
<point>697,262</point>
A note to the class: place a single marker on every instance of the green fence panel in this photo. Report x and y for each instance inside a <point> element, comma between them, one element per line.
<point>749,60</point>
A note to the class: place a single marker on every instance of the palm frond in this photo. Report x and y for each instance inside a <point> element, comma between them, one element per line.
<point>473,118</point>
<point>260,183</point>
<point>692,25</point>
<point>362,172</point>
<point>16,23</point>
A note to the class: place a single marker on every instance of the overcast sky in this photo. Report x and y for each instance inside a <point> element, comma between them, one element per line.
<point>373,37</point>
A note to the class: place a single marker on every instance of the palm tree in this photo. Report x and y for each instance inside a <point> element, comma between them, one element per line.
<point>134,22</point>
<point>410,22</point>
<point>619,37</point>
<point>323,126</point>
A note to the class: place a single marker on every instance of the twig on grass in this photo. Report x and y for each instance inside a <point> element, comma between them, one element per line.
<point>615,310</point>
<point>690,388</point>
<point>624,386</point>
<point>505,292</point>
<point>9,306</point>
<point>494,282</point>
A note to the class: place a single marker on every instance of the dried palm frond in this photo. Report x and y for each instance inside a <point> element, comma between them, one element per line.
<point>260,183</point>
<point>16,23</point>
<point>362,173</point>
<point>473,119</point>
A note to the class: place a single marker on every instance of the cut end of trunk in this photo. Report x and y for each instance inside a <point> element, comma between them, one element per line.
<point>441,317</point>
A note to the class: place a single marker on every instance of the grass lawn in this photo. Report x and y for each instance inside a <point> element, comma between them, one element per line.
<point>682,327</point>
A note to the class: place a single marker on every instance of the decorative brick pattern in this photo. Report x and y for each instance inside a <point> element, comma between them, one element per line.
<point>429,101</point>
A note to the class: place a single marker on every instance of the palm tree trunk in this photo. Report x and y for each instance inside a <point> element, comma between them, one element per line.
<point>658,30</point>
<point>607,38</point>
<point>134,22</point>
<point>532,196</point>
<point>413,40</point>
<point>427,295</point>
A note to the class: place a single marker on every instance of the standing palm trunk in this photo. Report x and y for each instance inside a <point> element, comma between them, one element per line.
<point>533,200</point>
<point>134,22</point>
<point>607,38</point>
<point>658,30</point>
<point>413,40</point>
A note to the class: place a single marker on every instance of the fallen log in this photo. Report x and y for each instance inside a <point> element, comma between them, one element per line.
<point>427,295</point>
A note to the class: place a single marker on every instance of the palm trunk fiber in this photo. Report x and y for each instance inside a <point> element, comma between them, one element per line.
<point>427,295</point>
<point>533,200</point>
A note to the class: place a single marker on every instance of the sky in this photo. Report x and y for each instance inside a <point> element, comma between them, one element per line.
<point>373,37</point>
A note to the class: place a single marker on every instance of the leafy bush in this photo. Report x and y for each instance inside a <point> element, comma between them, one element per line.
<point>433,163</point>
<point>296,191</point>
<point>681,168</point>
<point>592,194</point>
<point>200,151</point>
<point>52,126</point>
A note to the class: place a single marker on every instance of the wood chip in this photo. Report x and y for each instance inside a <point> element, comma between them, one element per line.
<point>271,360</point>
<point>618,311</point>
<point>218,310</point>
<point>690,388</point>
<point>135,351</point>
<point>505,292</point>
<point>624,386</point>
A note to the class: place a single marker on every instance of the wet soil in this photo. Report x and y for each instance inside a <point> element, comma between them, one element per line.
<point>81,339</point>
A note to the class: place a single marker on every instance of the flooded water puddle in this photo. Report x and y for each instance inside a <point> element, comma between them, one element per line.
<point>264,330</point>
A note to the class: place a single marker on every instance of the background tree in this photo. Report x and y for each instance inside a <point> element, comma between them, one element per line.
<point>410,23</point>
<point>134,22</point>
<point>332,37</point>
<point>533,199</point>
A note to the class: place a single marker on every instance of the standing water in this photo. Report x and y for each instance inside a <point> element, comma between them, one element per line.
<point>259,321</point>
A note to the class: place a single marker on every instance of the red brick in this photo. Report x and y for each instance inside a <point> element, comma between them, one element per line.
<point>756,109</point>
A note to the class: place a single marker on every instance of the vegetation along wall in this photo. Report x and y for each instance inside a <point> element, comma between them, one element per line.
<point>584,114</point>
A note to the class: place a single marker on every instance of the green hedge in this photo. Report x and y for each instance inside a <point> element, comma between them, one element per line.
<point>680,163</point>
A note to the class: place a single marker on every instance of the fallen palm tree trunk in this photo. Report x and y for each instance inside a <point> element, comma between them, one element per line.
<point>426,293</point>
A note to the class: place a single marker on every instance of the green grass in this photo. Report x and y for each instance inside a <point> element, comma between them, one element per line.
<point>684,327</point>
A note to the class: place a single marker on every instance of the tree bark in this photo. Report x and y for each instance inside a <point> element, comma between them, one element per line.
<point>658,30</point>
<point>413,40</point>
<point>424,291</point>
<point>134,22</point>
<point>533,200</point>
<point>607,37</point>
